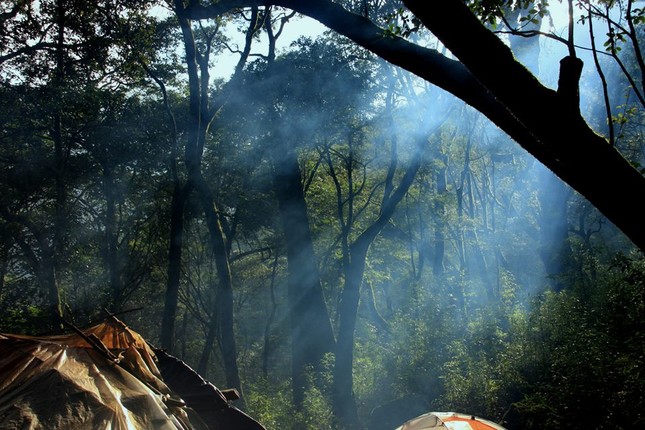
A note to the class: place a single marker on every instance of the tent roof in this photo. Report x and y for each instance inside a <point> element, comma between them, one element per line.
<point>449,421</point>
<point>112,333</point>
<point>105,377</point>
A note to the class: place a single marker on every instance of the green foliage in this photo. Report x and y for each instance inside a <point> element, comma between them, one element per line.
<point>491,11</point>
<point>401,23</point>
<point>480,373</point>
<point>592,351</point>
<point>270,404</point>
<point>628,112</point>
<point>572,361</point>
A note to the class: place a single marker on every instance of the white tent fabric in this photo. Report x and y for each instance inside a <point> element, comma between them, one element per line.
<point>449,421</point>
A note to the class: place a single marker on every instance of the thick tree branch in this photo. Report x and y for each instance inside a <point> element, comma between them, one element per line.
<point>534,116</point>
<point>426,63</point>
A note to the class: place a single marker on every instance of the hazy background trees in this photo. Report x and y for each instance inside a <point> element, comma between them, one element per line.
<point>344,243</point>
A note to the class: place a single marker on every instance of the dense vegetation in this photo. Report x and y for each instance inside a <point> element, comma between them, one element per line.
<point>342,241</point>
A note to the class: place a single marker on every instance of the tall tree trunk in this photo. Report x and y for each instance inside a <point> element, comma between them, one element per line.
<point>5,244</point>
<point>266,351</point>
<point>553,195</point>
<point>441,182</point>
<point>42,264</point>
<point>554,247</point>
<point>222,317</point>
<point>343,401</point>
<point>179,197</point>
<point>474,260</point>
<point>51,285</point>
<point>201,117</point>
<point>60,219</point>
<point>111,243</point>
<point>311,332</point>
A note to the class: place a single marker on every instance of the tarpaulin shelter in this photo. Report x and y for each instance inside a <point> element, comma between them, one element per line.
<point>106,377</point>
<point>450,421</point>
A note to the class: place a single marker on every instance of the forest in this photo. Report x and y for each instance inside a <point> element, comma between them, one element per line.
<point>353,212</point>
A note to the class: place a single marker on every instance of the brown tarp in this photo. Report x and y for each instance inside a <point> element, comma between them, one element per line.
<point>105,377</point>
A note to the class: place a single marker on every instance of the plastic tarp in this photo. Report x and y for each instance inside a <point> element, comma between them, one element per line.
<point>449,421</point>
<point>104,377</point>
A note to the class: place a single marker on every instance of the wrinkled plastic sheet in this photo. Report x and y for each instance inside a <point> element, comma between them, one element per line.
<point>47,384</point>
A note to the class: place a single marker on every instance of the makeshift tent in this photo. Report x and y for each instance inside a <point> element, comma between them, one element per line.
<point>450,421</point>
<point>105,377</point>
